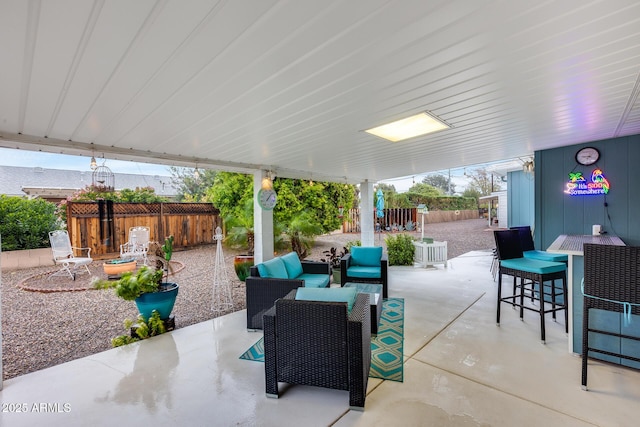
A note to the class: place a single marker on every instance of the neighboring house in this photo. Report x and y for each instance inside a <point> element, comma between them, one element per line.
<point>498,210</point>
<point>55,185</point>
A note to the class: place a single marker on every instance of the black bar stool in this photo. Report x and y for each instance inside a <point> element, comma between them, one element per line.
<point>513,263</point>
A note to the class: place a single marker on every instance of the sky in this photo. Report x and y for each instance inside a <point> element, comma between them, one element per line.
<point>13,157</point>
<point>403,184</point>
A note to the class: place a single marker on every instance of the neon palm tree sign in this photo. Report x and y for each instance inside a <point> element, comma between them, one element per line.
<point>578,185</point>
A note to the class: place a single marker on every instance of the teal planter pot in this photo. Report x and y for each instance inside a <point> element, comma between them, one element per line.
<point>162,301</point>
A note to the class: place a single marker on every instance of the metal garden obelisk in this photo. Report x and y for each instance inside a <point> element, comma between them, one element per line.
<point>222,299</point>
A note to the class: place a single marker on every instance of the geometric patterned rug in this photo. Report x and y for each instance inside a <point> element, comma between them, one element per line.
<point>386,348</point>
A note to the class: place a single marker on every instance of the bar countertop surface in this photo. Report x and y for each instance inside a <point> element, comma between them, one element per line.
<point>572,244</point>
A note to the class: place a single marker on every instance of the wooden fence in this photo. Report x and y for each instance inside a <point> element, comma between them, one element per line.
<point>398,218</point>
<point>104,227</point>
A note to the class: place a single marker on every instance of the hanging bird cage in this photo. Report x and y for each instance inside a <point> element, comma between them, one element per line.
<point>103,179</point>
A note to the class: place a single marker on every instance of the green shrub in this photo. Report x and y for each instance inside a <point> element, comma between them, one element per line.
<point>400,249</point>
<point>26,223</point>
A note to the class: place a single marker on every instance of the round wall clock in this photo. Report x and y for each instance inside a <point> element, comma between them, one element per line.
<point>267,199</point>
<point>587,156</point>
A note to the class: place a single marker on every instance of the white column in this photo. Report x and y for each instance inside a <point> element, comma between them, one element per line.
<point>262,223</point>
<point>366,214</point>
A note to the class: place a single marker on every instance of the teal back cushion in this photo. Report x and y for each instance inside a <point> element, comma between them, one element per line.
<point>347,295</point>
<point>292,264</point>
<point>273,268</point>
<point>368,256</point>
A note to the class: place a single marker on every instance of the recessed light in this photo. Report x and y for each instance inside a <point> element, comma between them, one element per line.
<point>420,124</point>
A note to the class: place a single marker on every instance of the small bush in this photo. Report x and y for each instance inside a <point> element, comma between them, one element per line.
<point>400,248</point>
<point>26,223</point>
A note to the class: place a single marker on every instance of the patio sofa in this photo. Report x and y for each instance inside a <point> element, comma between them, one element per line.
<point>365,265</point>
<point>275,278</point>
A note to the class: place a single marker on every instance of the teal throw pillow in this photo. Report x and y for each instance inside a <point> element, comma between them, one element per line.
<point>368,256</point>
<point>274,268</point>
<point>347,295</point>
<point>292,264</point>
<point>262,270</point>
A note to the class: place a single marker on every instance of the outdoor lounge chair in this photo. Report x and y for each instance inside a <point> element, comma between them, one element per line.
<point>365,265</point>
<point>64,254</point>
<point>137,246</point>
<point>319,344</point>
<point>263,291</point>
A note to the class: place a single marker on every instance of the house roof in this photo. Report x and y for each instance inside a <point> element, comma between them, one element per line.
<point>57,183</point>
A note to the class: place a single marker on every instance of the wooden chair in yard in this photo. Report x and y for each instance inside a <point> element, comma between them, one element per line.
<point>64,254</point>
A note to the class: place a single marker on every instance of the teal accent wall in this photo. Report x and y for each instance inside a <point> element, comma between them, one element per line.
<point>558,213</point>
<point>618,212</point>
<point>520,196</point>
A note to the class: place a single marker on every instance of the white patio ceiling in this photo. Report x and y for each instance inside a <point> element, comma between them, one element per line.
<point>291,85</point>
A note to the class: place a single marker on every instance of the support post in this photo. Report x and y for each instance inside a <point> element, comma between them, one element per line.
<point>262,223</point>
<point>366,214</point>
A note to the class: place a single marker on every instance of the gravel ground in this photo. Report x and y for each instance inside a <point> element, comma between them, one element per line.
<point>46,328</point>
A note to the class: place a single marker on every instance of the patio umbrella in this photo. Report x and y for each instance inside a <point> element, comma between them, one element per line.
<point>380,207</point>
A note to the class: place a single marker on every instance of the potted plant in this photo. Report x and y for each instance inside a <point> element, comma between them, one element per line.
<point>240,234</point>
<point>333,257</point>
<point>146,288</point>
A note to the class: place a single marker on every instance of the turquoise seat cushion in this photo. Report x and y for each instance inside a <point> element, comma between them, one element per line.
<point>347,295</point>
<point>315,280</point>
<point>292,264</point>
<point>546,256</point>
<point>368,256</point>
<point>273,268</point>
<point>533,265</point>
<point>364,272</point>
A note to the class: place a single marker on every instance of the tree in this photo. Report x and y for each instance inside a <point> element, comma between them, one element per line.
<point>483,182</point>
<point>26,223</point>
<point>470,192</point>
<point>440,182</point>
<point>303,209</point>
<point>192,187</point>
<point>424,189</point>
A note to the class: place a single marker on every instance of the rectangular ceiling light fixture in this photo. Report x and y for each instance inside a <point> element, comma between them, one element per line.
<point>420,124</point>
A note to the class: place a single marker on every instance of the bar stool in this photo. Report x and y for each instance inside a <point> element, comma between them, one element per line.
<point>529,250</point>
<point>513,263</point>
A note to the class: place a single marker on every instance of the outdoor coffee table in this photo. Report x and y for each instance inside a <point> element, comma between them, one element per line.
<point>375,300</point>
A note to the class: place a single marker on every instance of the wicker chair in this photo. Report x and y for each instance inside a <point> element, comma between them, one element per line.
<point>318,344</point>
<point>262,292</point>
<point>347,261</point>
<point>612,283</point>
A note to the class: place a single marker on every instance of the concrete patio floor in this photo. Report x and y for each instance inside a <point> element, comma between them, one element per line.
<point>460,370</point>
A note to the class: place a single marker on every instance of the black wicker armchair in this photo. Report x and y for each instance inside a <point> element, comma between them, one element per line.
<point>347,273</point>
<point>611,283</point>
<point>318,344</point>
